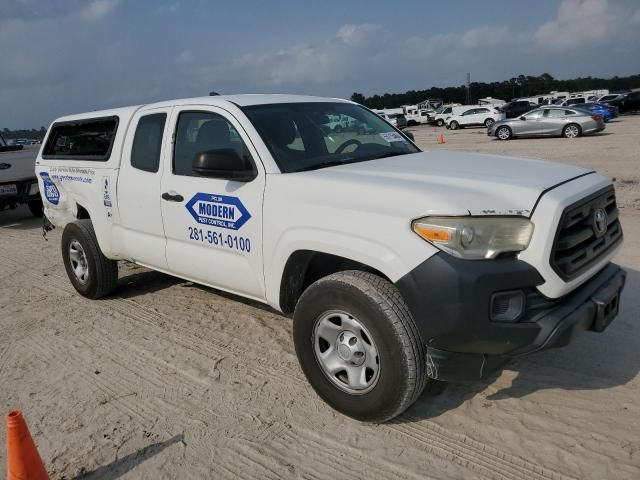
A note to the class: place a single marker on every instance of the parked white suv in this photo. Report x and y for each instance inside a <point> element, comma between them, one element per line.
<point>397,265</point>
<point>475,117</point>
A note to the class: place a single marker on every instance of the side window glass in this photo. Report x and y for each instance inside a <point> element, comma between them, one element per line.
<point>147,142</point>
<point>569,112</point>
<point>199,132</point>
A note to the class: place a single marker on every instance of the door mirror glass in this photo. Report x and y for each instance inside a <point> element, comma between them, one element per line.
<point>523,118</point>
<point>223,163</point>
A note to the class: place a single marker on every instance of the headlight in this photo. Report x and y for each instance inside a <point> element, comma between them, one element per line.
<point>475,237</point>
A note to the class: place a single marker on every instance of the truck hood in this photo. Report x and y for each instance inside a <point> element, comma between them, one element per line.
<point>446,182</point>
<point>18,165</point>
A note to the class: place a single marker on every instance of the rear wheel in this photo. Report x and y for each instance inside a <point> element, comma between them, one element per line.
<point>571,131</point>
<point>504,133</point>
<point>358,345</point>
<point>91,273</point>
<point>488,122</point>
<point>454,125</point>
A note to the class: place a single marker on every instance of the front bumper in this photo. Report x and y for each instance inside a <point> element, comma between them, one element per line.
<point>450,301</point>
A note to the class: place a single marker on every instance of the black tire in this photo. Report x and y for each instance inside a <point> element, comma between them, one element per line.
<point>440,122</point>
<point>453,125</point>
<point>102,275</point>
<point>378,305</point>
<point>488,122</point>
<point>35,206</point>
<point>504,133</point>
<point>566,130</point>
<point>411,123</point>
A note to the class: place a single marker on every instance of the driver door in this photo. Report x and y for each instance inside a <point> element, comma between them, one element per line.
<point>532,125</point>
<point>213,226</point>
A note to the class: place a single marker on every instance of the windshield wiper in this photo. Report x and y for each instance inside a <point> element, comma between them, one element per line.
<point>390,154</point>
<point>329,163</point>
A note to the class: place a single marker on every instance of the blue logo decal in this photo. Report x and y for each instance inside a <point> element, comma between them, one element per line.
<point>51,192</point>
<point>218,210</point>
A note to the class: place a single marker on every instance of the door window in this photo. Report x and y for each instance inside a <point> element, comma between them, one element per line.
<point>554,113</point>
<point>533,115</point>
<point>199,132</point>
<point>147,142</point>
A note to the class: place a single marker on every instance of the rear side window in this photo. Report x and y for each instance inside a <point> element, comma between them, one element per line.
<point>82,140</point>
<point>147,142</point>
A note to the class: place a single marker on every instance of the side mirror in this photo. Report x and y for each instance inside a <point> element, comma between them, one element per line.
<point>523,118</point>
<point>410,135</point>
<point>224,163</point>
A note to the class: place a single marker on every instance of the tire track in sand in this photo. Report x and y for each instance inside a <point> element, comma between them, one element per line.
<point>450,446</point>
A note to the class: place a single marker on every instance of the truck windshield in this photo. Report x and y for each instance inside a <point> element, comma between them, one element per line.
<point>309,136</point>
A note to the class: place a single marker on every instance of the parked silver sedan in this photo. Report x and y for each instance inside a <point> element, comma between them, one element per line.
<point>548,122</point>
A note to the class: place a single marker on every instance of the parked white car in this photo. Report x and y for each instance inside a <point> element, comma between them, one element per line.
<point>475,117</point>
<point>398,266</point>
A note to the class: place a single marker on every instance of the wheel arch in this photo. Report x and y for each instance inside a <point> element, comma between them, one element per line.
<point>304,267</point>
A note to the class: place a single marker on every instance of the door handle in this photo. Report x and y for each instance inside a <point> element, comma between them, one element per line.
<point>172,197</point>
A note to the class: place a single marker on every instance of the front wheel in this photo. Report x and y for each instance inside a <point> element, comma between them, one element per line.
<point>503,133</point>
<point>358,345</point>
<point>571,131</point>
<point>440,122</point>
<point>454,125</point>
<point>35,207</point>
<point>91,273</point>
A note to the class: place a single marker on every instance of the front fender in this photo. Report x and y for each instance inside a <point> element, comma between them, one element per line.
<point>393,263</point>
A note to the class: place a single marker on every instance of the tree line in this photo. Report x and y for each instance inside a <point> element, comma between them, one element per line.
<point>31,134</point>
<point>520,86</point>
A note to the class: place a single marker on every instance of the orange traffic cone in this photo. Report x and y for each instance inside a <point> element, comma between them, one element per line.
<point>441,139</point>
<point>23,459</point>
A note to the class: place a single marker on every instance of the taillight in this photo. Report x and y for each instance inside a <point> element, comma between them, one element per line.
<point>596,117</point>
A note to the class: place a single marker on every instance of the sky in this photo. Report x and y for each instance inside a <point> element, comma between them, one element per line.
<point>59,57</point>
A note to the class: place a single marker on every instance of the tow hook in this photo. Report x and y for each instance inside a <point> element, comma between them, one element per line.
<point>47,226</point>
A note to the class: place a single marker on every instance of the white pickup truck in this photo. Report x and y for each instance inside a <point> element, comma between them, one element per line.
<point>398,265</point>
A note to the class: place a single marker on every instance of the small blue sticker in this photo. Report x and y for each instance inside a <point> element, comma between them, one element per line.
<point>51,192</point>
<point>218,210</point>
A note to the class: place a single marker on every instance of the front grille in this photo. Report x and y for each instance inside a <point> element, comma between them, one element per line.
<point>578,243</point>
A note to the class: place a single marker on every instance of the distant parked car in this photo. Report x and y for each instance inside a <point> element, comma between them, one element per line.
<point>516,108</point>
<point>577,101</point>
<point>630,103</point>
<point>607,111</point>
<point>612,97</point>
<point>398,120</point>
<point>475,117</point>
<point>550,122</point>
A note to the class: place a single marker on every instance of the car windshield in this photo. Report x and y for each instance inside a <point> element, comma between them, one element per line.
<point>308,136</point>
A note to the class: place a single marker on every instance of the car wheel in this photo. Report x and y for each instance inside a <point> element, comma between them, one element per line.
<point>358,345</point>
<point>488,122</point>
<point>91,273</point>
<point>504,133</point>
<point>35,206</point>
<point>454,125</point>
<point>571,131</point>
<point>440,122</point>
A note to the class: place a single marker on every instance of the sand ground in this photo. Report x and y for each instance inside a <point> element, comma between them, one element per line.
<point>167,379</point>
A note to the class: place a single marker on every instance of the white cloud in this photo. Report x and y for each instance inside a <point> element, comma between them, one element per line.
<point>98,9</point>
<point>578,23</point>
<point>355,34</point>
